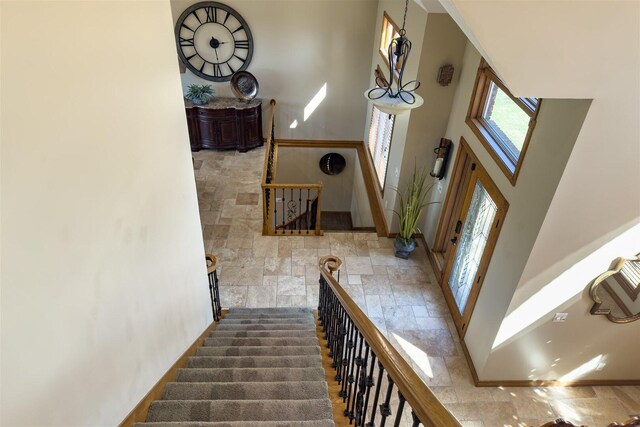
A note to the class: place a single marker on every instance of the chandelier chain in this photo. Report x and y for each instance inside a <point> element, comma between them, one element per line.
<point>404,19</point>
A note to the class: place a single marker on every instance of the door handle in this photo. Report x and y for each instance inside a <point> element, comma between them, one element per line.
<point>458,227</point>
<point>454,240</point>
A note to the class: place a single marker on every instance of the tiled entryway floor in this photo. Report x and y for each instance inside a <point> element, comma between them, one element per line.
<point>401,297</point>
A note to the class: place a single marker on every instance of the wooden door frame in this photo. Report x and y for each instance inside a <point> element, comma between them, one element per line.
<point>444,230</point>
<point>459,181</point>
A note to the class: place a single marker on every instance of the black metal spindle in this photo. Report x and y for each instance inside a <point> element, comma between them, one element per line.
<point>216,295</point>
<point>370,384</point>
<point>307,219</point>
<point>416,420</point>
<point>300,210</point>
<point>374,408</point>
<point>284,197</point>
<point>400,409</point>
<point>385,408</point>
<point>347,360</point>
<point>292,226</point>
<point>353,384</point>
<point>361,385</point>
<point>213,300</point>
<point>275,210</point>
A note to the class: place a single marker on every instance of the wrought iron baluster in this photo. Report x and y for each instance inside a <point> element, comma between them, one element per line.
<point>275,210</point>
<point>348,346</point>
<point>385,408</point>
<point>341,349</point>
<point>369,384</point>
<point>213,299</point>
<point>374,408</point>
<point>216,295</point>
<point>283,210</point>
<point>300,210</point>
<point>307,219</point>
<point>340,331</point>
<point>416,420</point>
<point>361,385</point>
<point>353,384</point>
<point>292,226</point>
<point>400,409</point>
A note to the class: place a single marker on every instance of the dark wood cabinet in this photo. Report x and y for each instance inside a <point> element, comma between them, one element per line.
<point>225,123</point>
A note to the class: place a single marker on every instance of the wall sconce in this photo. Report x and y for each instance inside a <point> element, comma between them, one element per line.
<point>442,157</point>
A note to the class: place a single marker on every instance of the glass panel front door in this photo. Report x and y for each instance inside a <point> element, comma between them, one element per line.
<point>473,240</point>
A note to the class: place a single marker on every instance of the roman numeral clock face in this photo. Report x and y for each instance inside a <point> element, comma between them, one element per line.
<point>213,41</point>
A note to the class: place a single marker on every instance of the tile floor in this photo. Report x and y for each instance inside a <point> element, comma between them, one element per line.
<point>401,297</point>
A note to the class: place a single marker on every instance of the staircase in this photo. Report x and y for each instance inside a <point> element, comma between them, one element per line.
<point>259,366</point>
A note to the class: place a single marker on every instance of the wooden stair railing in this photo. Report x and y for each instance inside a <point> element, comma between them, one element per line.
<point>357,349</point>
<point>282,203</point>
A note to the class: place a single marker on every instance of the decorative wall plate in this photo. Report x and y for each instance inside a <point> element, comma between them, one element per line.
<point>244,85</point>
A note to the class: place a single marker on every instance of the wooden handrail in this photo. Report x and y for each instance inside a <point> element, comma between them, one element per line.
<point>270,141</point>
<point>214,262</point>
<point>429,410</point>
<point>301,186</point>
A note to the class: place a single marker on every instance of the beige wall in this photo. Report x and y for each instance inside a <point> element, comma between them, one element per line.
<point>415,27</point>
<point>558,125</point>
<point>103,279</point>
<point>360,206</point>
<point>581,232</point>
<point>443,43</point>
<point>299,46</point>
<point>301,166</point>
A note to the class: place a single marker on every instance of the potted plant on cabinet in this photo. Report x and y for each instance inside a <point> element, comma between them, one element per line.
<point>411,205</point>
<point>199,94</point>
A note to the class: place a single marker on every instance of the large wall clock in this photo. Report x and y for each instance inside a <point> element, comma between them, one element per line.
<point>213,41</point>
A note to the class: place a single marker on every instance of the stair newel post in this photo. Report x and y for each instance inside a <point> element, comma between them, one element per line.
<point>400,409</point>
<point>385,408</point>
<point>374,408</point>
<point>361,386</point>
<point>369,383</point>
<point>354,379</point>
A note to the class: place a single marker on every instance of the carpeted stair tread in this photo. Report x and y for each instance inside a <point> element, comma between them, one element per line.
<point>258,368</point>
<point>263,334</point>
<point>264,350</point>
<point>276,321</point>
<point>240,410</point>
<point>315,423</point>
<point>269,316</point>
<point>254,361</point>
<point>254,342</point>
<point>256,375</point>
<point>271,310</point>
<point>265,327</point>
<point>247,391</point>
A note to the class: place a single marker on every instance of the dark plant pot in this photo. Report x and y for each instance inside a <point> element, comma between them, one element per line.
<point>404,247</point>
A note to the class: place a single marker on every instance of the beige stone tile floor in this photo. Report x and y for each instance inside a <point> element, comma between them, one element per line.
<point>401,297</point>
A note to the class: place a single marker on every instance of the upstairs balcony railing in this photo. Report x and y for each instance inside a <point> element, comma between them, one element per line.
<point>287,209</point>
<point>377,384</point>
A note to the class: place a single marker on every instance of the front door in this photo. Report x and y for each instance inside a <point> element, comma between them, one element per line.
<point>472,238</point>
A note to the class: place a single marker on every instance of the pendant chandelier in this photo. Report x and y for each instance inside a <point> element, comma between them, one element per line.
<point>396,98</point>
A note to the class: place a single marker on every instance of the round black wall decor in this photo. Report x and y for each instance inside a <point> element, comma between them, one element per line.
<point>332,163</point>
